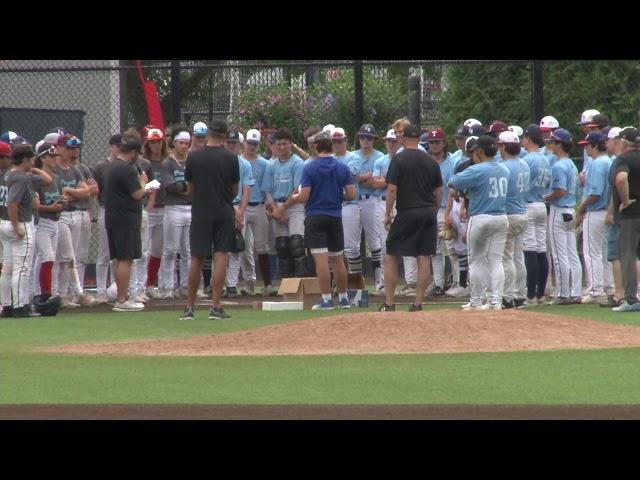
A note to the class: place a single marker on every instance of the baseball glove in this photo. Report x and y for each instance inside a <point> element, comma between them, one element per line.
<point>47,307</point>
<point>447,232</point>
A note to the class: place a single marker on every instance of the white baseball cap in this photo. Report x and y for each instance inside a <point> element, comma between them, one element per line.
<point>391,135</point>
<point>587,116</point>
<point>517,130</point>
<point>337,133</point>
<point>51,138</point>
<point>329,128</point>
<point>472,121</point>
<point>614,132</point>
<point>200,129</point>
<point>240,137</point>
<point>39,144</point>
<point>253,136</point>
<point>508,137</point>
<point>549,123</point>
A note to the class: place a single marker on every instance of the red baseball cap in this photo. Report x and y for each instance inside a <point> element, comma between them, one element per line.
<point>497,128</point>
<point>5,149</point>
<point>436,134</point>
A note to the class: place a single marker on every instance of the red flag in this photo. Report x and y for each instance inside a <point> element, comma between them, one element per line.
<point>154,109</point>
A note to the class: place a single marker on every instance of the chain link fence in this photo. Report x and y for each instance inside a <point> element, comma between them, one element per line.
<point>96,98</point>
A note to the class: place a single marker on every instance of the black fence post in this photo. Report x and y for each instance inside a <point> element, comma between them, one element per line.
<point>538,90</point>
<point>176,92</point>
<point>414,99</point>
<point>358,88</point>
<point>124,101</point>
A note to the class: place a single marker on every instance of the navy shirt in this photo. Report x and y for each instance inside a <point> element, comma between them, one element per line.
<point>327,178</point>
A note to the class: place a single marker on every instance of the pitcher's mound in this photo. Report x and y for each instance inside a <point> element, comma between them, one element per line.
<point>392,332</point>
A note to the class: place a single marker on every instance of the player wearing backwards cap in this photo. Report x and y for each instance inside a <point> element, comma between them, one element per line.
<point>534,242</point>
<point>380,169</point>
<point>255,220</point>
<point>494,130</point>
<point>564,182</point>
<point>593,208</point>
<point>198,136</point>
<point>513,260</point>
<point>587,126</point>
<point>548,125</point>
<point>240,204</point>
<point>322,183</point>
<point>66,275</point>
<point>487,185</point>
<point>177,218</point>
<point>280,180</point>
<point>366,211</point>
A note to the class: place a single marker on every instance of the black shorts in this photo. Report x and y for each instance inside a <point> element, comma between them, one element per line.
<point>324,231</point>
<point>414,232</point>
<point>208,236</point>
<point>124,243</point>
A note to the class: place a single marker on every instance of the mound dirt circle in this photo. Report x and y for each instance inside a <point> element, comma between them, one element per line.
<point>441,331</point>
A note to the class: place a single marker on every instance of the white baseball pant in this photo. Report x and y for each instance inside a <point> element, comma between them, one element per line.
<point>255,232</point>
<point>535,235</point>
<point>355,217</point>
<point>486,238</point>
<point>16,263</point>
<point>138,278</point>
<point>515,272</point>
<point>102,261</point>
<point>65,273</point>
<point>46,247</point>
<point>295,225</point>
<point>458,246</point>
<point>177,219</point>
<point>81,243</point>
<point>568,270</point>
<point>599,272</point>
<point>156,235</point>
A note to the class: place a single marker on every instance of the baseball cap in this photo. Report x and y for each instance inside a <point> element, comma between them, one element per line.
<point>614,132</point>
<point>630,134</point>
<point>200,129</point>
<point>8,137</point>
<point>599,120</point>
<point>424,138</point>
<point>46,148</point>
<point>462,131</point>
<point>51,138</point>
<point>337,133</point>
<point>5,149</point>
<point>471,143</point>
<point>232,136</point>
<point>508,137</point>
<point>218,126</point>
<point>391,135</point>
<point>532,131</point>
<point>323,135</point>
<point>367,129</point>
<point>549,123</point>
<point>486,142</point>
<point>472,121</point>
<point>240,137</point>
<point>435,134</point>
<point>155,134</point>
<point>561,135</point>
<point>476,130</point>
<point>59,130</point>
<point>115,139</point>
<point>68,140</point>
<point>593,137</point>
<point>516,129</point>
<point>587,116</point>
<point>253,136</point>
<point>497,127</point>
<point>412,131</point>
<point>329,128</point>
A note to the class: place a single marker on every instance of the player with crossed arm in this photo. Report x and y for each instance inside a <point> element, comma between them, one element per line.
<point>487,183</point>
<point>562,233</point>
<point>513,260</point>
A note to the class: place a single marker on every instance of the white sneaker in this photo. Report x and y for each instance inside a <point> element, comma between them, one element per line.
<point>592,299</point>
<point>181,293</point>
<point>497,306</point>
<point>487,306</point>
<point>153,293</point>
<point>201,295</point>
<point>453,291</point>
<point>128,306</point>
<point>166,294</point>
<point>468,307</point>
<point>140,298</point>
<point>101,299</point>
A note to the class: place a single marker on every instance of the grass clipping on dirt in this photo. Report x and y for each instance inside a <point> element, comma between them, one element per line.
<point>441,331</point>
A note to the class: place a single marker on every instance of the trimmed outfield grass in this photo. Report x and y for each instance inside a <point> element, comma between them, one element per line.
<point>563,377</point>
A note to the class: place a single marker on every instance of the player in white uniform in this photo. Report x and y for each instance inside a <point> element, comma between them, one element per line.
<point>486,183</point>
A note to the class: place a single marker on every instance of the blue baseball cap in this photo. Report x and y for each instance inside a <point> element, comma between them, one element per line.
<point>200,129</point>
<point>594,137</point>
<point>560,135</point>
<point>8,137</point>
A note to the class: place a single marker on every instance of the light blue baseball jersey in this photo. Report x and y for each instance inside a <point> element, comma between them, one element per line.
<point>519,176</point>
<point>420,147</point>
<point>523,152</point>
<point>539,178</point>
<point>380,169</point>
<point>486,184</point>
<point>564,175</point>
<point>586,161</point>
<point>447,167</point>
<point>258,168</point>
<point>246,177</point>
<point>281,178</point>
<point>354,162</point>
<point>597,183</point>
<point>366,165</point>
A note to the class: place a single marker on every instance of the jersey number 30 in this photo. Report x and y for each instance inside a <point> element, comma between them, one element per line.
<point>498,187</point>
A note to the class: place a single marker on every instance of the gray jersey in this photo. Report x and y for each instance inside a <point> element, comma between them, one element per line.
<point>173,182</point>
<point>70,178</point>
<point>3,193</point>
<point>87,174</point>
<point>20,191</point>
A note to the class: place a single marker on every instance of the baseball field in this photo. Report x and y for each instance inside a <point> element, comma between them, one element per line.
<point>576,361</point>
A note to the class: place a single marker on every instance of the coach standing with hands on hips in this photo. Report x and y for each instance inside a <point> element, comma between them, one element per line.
<point>123,194</point>
<point>415,179</point>
<point>212,174</point>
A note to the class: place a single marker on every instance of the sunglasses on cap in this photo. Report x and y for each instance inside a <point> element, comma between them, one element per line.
<point>72,142</point>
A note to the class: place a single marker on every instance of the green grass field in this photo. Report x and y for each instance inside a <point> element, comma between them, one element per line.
<point>561,377</point>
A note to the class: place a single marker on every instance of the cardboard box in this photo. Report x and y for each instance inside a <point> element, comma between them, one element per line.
<point>297,289</point>
<point>278,306</point>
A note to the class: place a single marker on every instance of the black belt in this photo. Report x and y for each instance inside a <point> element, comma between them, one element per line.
<point>253,204</point>
<point>281,200</point>
<point>235,204</point>
<point>383,198</point>
<point>365,197</point>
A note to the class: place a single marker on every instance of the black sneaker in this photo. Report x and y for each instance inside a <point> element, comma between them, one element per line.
<point>438,292</point>
<point>218,314</point>
<point>610,303</point>
<point>188,314</point>
<point>387,308</point>
<point>519,303</point>
<point>507,304</point>
<point>23,312</point>
<point>231,292</point>
<point>415,308</point>
<point>7,312</point>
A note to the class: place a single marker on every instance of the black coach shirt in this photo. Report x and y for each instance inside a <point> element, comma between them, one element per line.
<point>121,209</point>
<point>416,175</point>
<point>629,162</point>
<point>212,171</point>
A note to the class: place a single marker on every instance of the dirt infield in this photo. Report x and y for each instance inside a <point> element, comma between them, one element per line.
<point>441,331</point>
